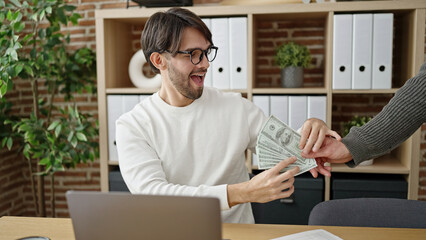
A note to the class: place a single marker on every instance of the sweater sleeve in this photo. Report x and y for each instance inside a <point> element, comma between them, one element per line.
<point>398,120</point>
<point>143,172</point>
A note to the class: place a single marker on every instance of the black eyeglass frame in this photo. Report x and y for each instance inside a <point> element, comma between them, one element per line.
<point>201,56</point>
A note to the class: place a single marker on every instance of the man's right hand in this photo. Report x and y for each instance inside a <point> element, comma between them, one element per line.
<point>266,186</point>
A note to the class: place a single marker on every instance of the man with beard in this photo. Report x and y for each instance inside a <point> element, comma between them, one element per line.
<point>190,140</point>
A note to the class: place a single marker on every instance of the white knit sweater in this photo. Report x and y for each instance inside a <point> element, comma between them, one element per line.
<point>194,150</point>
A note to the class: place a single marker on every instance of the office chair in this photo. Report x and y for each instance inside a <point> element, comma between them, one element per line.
<point>370,212</point>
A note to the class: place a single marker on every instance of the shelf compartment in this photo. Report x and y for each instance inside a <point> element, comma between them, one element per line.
<point>271,30</point>
<point>386,164</point>
<point>122,40</point>
<point>403,51</point>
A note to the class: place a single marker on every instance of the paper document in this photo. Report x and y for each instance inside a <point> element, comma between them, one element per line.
<point>277,142</point>
<point>317,234</point>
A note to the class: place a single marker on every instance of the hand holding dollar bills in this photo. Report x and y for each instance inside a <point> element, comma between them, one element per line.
<point>277,142</point>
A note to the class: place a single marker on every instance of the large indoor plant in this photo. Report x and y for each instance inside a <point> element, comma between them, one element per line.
<point>292,58</point>
<point>33,47</point>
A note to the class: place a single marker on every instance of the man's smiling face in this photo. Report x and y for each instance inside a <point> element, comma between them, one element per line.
<point>187,78</point>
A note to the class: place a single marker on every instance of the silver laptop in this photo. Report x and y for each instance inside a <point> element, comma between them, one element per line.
<point>116,215</point>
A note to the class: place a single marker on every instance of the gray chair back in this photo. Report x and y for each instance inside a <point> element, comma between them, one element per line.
<point>370,212</point>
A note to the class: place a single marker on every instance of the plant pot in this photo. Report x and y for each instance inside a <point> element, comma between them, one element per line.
<point>292,77</point>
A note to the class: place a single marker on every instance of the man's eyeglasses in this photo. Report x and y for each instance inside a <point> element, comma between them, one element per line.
<point>197,54</point>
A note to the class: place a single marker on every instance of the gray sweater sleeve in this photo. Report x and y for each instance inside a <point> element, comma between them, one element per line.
<point>398,120</point>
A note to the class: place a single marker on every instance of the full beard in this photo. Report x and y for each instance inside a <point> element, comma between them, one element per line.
<point>182,84</point>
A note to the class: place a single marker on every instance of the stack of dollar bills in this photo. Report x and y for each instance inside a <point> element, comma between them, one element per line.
<point>277,142</point>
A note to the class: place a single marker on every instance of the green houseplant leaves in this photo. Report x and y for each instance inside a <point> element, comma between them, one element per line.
<point>292,54</point>
<point>34,48</point>
<point>356,121</point>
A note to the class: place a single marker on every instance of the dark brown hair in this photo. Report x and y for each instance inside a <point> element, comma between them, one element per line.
<point>163,31</point>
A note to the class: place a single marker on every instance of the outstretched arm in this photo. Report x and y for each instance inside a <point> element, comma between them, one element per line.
<point>397,121</point>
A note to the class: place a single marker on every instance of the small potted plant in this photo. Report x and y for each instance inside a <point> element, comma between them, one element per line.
<point>357,121</point>
<point>292,58</point>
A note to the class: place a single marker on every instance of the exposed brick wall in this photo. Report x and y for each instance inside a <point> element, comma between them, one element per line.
<point>270,34</point>
<point>12,184</point>
<point>12,175</point>
<point>346,106</point>
<point>84,177</point>
<point>15,191</point>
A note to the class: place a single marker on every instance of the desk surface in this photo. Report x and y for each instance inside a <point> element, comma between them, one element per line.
<point>61,229</point>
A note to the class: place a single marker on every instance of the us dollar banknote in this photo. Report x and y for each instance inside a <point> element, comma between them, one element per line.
<point>276,142</point>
